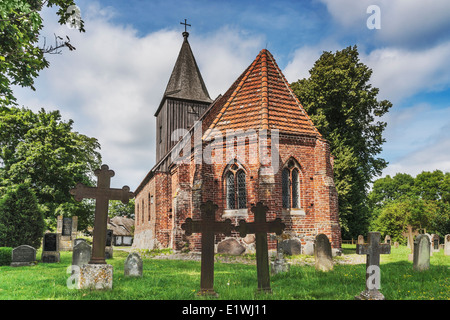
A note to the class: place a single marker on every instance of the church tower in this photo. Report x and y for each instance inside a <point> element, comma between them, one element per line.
<point>184,101</point>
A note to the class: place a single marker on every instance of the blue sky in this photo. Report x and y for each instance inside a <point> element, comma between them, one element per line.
<point>112,84</point>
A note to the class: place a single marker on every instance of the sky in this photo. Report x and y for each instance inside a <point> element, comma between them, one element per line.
<point>112,84</point>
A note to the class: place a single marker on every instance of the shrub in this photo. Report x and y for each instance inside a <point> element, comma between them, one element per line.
<point>5,256</point>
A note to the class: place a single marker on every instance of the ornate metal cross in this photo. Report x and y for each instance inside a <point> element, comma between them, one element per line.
<point>208,227</point>
<point>102,194</point>
<point>185,25</point>
<point>373,249</point>
<point>260,227</point>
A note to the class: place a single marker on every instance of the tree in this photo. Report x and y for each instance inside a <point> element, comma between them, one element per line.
<point>21,220</point>
<point>343,106</point>
<point>42,150</point>
<point>21,58</point>
<point>118,208</point>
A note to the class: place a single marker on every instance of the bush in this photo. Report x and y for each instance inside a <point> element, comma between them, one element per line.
<point>21,220</point>
<point>5,256</point>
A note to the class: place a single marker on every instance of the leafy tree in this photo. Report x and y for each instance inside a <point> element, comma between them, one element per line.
<point>118,208</point>
<point>42,150</point>
<point>21,220</point>
<point>21,58</point>
<point>344,107</point>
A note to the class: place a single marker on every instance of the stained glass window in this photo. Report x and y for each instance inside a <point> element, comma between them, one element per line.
<point>230,191</point>
<point>242,195</point>
<point>285,188</point>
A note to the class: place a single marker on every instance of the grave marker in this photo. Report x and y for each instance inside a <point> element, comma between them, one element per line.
<point>421,253</point>
<point>410,236</point>
<point>372,250</point>
<point>447,245</point>
<point>23,255</point>
<point>133,266</point>
<point>81,253</point>
<point>322,253</point>
<point>208,227</point>
<point>50,248</point>
<point>97,274</point>
<point>260,227</point>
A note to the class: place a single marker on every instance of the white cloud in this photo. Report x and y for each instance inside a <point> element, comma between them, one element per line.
<point>112,84</point>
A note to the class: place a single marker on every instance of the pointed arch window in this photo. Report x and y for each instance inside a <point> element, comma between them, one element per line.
<point>236,188</point>
<point>290,189</point>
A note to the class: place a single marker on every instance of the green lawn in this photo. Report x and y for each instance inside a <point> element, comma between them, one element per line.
<point>180,280</point>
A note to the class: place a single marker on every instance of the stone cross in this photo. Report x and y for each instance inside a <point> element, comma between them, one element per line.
<point>208,227</point>
<point>260,227</point>
<point>372,249</point>
<point>102,194</point>
<point>410,235</point>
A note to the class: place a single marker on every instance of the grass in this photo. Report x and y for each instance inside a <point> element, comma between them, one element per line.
<point>180,280</point>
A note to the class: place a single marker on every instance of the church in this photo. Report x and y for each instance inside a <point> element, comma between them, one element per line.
<point>255,143</point>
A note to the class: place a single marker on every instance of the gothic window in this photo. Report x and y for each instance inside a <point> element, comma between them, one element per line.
<point>290,188</point>
<point>236,188</point>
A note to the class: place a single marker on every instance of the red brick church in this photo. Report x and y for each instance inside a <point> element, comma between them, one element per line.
<point>253,143</point>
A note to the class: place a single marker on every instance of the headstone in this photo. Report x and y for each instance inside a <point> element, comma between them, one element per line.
<point>308,249</point>
<point>409,234</point>
<point>81,253</point>
<point>50,248</point>
<point>109,248</point>
<point>133,266</point>
<point>208,227</point>
<point>291,246</point>
<point>230,246</point>
<point>387,239</point>
<point>430,242</point>
<point>66,229</point>
<point>447,245</point>
<point>396,244</point>
<point>67,226</point>
<point>279,265</point>
<point>372,250</point>
<point>421,253</point>
<point>435,243</point>
<point>97,274</point>
<point>78,240</point>
<point>360,239</point>
<point>23,255</point>
<point>260,227</point>
<point>322,253</point>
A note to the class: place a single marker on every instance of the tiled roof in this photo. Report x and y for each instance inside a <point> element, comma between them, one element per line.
<point>261,100</point>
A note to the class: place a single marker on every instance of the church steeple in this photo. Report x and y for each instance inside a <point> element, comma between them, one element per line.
<point>184,100</point>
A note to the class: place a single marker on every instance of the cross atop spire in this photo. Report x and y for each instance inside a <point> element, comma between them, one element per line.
<point>185,33</point>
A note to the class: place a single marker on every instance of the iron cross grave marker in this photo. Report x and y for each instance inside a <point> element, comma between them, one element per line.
<point>102,194</point>
<point>208,227</point>
<point>260,227</point>
<point>372,250</point>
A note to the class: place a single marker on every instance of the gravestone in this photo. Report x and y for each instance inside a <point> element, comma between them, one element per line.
<point>409,234</point>
<point>109,248</point>
<point>322,253</point>
<point>430,242</point>
<point>260,227</point>
<point>309,248</point>
<point>66,229</point>
<point>81,253</point>
<point>396,245</point>
<point>97,274</point>
<point>291,246</point>
<point>133,265</point>
<point>372,250</point>
<point>78,240</point>
<point>279,265</point>
<point>421,253</point>
<point>23,255</point>
<point>447,245</point>
<point>387,239</point>
<point>50,248</point>
<point>208,227</point>
<point>435,243</point>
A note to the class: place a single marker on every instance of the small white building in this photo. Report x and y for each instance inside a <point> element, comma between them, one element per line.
<point>123,228</point>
